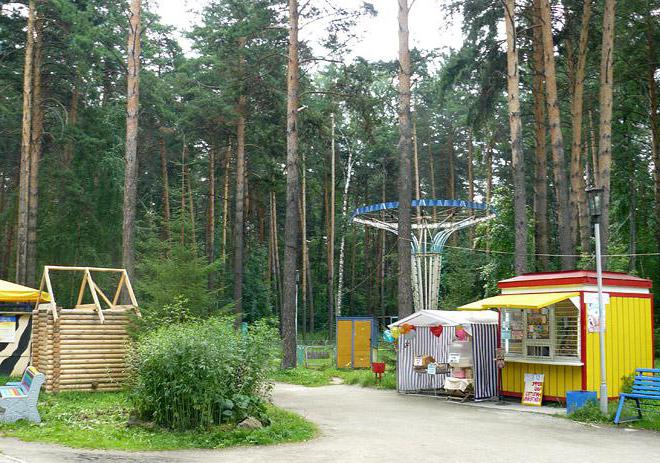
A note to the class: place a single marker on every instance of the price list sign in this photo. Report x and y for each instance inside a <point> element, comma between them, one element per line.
<point>533,393</point>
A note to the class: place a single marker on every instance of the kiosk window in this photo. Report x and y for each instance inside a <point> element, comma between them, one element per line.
<point>550,333</point>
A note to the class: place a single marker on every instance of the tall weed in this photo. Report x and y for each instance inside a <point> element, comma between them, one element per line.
<point>201,373</point>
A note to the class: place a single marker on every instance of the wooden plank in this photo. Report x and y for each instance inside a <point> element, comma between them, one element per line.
<point>90,282</point>
<point>83,285</point>
<point>82,269</point>
<point>118,290</point>
<point>51,294</point>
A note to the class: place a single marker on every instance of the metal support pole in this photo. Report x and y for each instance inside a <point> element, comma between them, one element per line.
<point>601,322</point>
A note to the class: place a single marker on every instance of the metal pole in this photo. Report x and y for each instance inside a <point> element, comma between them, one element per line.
<point>601,322</point>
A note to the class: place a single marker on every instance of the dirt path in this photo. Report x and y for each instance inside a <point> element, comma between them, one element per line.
<point>381,426</point>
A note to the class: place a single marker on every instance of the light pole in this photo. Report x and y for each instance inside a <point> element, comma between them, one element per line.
<point>594,197</point>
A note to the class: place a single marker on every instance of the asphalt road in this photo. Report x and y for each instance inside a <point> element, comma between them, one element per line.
<point>382,426</point>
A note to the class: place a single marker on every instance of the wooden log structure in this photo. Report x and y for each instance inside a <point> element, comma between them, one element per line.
<point>83,348</point>
<point>81,357</point>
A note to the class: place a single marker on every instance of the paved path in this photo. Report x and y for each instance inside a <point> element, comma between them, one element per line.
<point>381,426</point>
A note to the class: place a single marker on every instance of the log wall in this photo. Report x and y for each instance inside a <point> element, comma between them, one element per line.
<point>78,352</point>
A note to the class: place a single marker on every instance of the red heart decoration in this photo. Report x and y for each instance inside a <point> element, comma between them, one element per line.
<point>436,330</point>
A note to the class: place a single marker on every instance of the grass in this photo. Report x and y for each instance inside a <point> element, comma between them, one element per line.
<point>590,413</point>
<point>98,421</point>
<point>324,377</point>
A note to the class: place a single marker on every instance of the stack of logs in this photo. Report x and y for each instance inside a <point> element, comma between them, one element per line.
<point>77,351</point>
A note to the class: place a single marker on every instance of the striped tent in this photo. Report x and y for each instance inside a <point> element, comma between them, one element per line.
<point>482,326</point>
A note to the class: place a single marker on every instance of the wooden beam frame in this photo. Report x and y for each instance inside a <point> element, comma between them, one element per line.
<point>94,289</point>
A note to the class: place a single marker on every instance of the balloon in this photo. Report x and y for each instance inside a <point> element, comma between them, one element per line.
<point>412,334</point>
<point>396,332</point>
<point>436,330</point>
<point>461,335</point>
<point>387,336</point>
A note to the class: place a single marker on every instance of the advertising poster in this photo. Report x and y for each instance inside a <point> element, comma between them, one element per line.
<point>533,393</point>
<point>7,329</point>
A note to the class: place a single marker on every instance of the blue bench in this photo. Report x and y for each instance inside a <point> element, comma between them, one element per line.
<point>646,386</point>
<point>18,400</point>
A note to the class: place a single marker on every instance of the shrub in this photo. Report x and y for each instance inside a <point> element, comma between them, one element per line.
<point>202,373</point>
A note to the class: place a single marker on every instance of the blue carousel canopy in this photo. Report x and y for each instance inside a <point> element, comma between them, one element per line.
<point>424,203</point>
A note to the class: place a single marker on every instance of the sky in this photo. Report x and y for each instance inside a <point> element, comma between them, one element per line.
<point>429,28</point>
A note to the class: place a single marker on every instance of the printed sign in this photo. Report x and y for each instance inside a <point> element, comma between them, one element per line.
<point>7,329</point>
<point>533,393</point>
<point>430,369</point>
<point>454,358</point>
<point>593,311</point>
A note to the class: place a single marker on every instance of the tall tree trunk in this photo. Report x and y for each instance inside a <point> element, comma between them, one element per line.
<point>405,148</point>
<point>35,154</point>
<point>210,218</point>
<point>594,151</point>
<point>418,210</point>
<point>26,139</point>
<point>184,169</point>
<point>291,225</point>
<point>653,119</point>
<point>515,125</point>
<point>489,169</point>
<point>166,188</point>
<point>331,231</point>
<point>303,236</point>
<point>564,224</point>
<point>632,247</point>
<point>344,211</point>
<point>240,193</point>
<point>225,202</point>
<point>470,174</point>
<point>191,208</point>
<point>541,234</point>
<point>72,121</point>
<point>131,169</point>
<point>605,103</point>
<point>451,161</point>
<point>432,173</point>
<point>579,208</point>
<point>275,255</point>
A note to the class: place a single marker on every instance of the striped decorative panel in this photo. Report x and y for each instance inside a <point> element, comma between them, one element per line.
<point>15,356</point>
<point>484,345</point>
<point>424,343</point>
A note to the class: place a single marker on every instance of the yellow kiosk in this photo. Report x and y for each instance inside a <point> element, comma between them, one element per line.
<point>549,325</point>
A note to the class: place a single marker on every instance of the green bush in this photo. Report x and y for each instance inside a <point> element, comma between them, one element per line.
<point>202,373</point>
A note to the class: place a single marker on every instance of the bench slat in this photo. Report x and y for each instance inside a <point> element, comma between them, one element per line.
<point>650,379</point>
<point>640,396</point>
<point>647,392</point>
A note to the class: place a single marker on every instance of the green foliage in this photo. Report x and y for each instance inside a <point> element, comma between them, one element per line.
<point>172,272</point>
<point>590,413</point>
<point>98,421</point>
<point>330,375</point>
<point>203,373</point>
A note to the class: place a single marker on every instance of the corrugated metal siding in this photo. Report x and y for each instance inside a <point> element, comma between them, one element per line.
<point>362,343</point>
<point>558,378</point>
<point>628,342</point>
<point>344,343</point>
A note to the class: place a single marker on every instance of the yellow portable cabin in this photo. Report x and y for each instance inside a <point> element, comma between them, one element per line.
<point>549,325</point>
<point>354,341</point>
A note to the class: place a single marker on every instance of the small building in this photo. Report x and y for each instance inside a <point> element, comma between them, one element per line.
<point>549,324</point>
<point>435,337</point>
<point>356,337</point>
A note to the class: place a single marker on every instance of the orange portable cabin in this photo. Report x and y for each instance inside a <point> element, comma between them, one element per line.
<point>549,324</point>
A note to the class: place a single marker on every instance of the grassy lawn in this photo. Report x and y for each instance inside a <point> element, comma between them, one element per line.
<point>590,413</point>
<point>324,377</point>
<point>98,421</point>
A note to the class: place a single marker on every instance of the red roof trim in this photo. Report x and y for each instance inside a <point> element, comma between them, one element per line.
<point>574,277</point>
